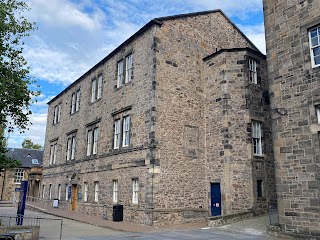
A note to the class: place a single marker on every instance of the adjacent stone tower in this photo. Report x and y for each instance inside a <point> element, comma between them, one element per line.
<point>293,57</point>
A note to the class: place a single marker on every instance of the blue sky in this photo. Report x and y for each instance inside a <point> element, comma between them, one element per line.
<point>73,35</point>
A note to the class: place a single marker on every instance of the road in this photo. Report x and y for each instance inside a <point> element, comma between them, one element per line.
<point>73,230</point>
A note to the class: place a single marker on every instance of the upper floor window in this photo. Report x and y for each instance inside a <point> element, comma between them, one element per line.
<point>92,141</point>
<point>57,113</point>
<point>53,153</point>
<point>257,138</point>
<point>125,140</point>
<point>96,89</point>
<point>253,71</point>
<point>314,37</point>
<point>75,102</point>
<point>18,175</point>
<point>125,74</point>
<point>71,146</point>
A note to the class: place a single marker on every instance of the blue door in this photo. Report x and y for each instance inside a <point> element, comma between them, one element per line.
<point>215,199</point>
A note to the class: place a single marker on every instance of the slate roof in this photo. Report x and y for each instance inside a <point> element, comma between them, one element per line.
<point>27,157</point>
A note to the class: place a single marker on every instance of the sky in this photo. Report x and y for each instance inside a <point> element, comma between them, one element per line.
<point>74,35</point>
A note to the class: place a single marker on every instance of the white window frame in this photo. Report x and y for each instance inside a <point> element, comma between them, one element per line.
<point>92,141</point>
<point>120,73</point>
<point>75,102</point>
<point>99,87</point>
<point>129,68</point>
<point>257,135</point>
<point>57,113</point>
<point>18,176</point>
<point>253,76</point>
<point>43,191</point>
<point>317,107</point>
<point>115,193</point>
<point>71,147</point>
<point>86,193</point>
<point>135,191</point>
<point>126,131</point>
<point>59,191</point>
<point>50,191</point>
<point>314,44</point>
<point>116,134</point>
<point>96,191</point>
<point>93,90</point>
<point>67,192</point>
<point>53,153</point>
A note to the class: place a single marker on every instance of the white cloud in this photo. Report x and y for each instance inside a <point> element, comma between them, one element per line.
<point>62,14</point>
<point>36,132</point>
<point>256,34</point>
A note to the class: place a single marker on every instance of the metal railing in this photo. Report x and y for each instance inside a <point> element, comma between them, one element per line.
<point>19,220</point>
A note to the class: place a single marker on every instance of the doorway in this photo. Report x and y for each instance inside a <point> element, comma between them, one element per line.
<point>74,200</point>
<point>215,199</point>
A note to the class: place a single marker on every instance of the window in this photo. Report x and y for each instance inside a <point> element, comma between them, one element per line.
<point>18,175</point>
<point>57,114</point>
<point>85,196</point>
<point>257,138</point>
<point>125,140</point>
<point>117,134</point>
<point>259,188</point>
<point>92,141</point>
<point>115,191</point>
<point>96,89</point>
<point>253,71</point>
<point>43,191</point>
<point>126,131</point>
<point>50,191</point>
<point>124,74</point>
<point>135,191</point>
<point>53,153</point>
<point>314,38</point>
<point>71,147</point>
<point>318,113</point>
<point>67,192</point>
<point>59,191</point>
<point>96,191</point>
<point>75,102</point>
<point>128,68</point>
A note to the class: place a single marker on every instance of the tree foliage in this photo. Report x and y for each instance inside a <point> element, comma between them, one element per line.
<point>27,143</point>
<point>5,161</point>
<point>15,95</point>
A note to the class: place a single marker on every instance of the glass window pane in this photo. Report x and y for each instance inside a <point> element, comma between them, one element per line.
<point>317,60</point>
<point>314,41</point>
<point>316,51</point>
<point>313,33</point>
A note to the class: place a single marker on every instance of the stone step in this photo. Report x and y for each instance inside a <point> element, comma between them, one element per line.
<point>6,204</point>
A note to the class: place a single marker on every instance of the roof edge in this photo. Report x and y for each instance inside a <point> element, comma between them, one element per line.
<point>186,15</point>
<point>233,50</point>
<point>130,39</point>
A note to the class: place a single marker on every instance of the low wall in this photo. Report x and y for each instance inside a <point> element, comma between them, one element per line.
<point>22,232</point>
<point>220,220</point>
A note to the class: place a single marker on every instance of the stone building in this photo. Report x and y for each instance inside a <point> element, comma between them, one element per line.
<point>30,169</point>
<point>173,124</point>
<point>293,57</point>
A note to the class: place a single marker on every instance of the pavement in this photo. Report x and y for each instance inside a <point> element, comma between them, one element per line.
<point>254,226</point>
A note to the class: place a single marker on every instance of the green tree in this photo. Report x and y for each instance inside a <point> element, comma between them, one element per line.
<point>27,143</point>
<point>15,82</point>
